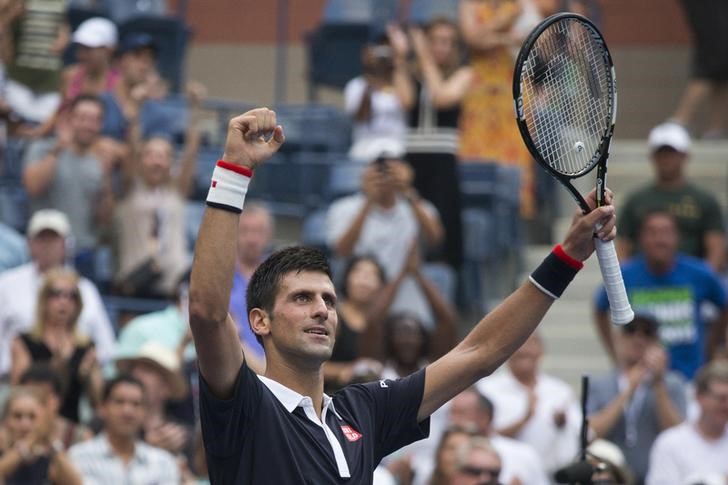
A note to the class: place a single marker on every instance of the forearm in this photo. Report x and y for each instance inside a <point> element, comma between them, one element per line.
<point>10,461</point>
<point>403,84</point>
<point>604,420</point>
<point>717,336</point>
<point>213,266</point>
<point>667,413</point>
<point>189,155</point>
<point>344,246</point>
<point>370,344</point>
<point>37,177</point>
<point>445,334</point>
<point>604,331</point>
<point>63,471</point>
<point>715,250</point>
<point>430,225</point>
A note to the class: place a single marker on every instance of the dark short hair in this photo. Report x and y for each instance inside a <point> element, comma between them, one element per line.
<point>395,319</point>
<point>351,264</point>
<point>43,373</point>
<point>112,384</point>
<point>82,98</point>
<point>265,282</point>
<point>657,212</point>
<point>647,324</point>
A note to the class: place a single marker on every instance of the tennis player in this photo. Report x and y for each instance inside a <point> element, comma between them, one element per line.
<point>280,428</point>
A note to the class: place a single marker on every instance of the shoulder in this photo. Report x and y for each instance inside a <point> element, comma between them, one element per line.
<point>348,202</point>
<point>353,84</point>
<point>695,265</point>
<point>555,385</point>
<point>677,436</point>
<point>11,276</point>
<point>154,454</point>
<point>699,193</point>
<point>88,448</point>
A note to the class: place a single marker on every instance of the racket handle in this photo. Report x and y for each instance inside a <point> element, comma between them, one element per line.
<point>619,305</point>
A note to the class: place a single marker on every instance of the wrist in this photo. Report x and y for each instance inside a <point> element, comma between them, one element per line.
<point>229,186</point>
<point>555,273</point>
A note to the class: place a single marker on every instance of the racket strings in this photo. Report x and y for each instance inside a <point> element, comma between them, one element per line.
<point>566,84</point>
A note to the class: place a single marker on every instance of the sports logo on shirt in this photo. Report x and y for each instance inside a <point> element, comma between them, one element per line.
<point>350,433</point>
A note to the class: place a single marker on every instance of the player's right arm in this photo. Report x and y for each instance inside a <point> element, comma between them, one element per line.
<point>219,352</point>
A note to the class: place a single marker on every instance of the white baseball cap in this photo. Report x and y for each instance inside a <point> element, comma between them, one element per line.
<point>49,220</point>
<point>96,32</point>
<point>670,135</point>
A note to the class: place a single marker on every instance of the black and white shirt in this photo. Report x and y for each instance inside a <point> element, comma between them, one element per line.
<point>267,433</point>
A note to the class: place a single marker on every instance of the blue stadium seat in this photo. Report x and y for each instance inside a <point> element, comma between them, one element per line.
<point>117,306</point>
<point>14,210</point>
<point>444,278</point>
<point>345,178</point>
<point>193,218</point>
<point>314,169</point>
<point>422,11</point>
<point>121,11</point>
<point>313,232</point>
<point>207,157</point>
<point>374,12</point>
<point>167,117</point>
<point>334,54</point>
<point>171,35</point>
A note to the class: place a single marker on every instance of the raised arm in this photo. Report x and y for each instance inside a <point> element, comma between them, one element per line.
<point>196,92</point>
<point>505,329</point>
<point>213,329</point>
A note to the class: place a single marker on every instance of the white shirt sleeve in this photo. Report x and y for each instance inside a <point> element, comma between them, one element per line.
<point>339,218</point>
<point>353,93</point>
<point>663,468</point>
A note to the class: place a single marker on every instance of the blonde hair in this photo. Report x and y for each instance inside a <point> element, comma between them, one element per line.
<point>52,276</point>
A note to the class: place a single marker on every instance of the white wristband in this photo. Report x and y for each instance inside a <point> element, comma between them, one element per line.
<point>229,186</point>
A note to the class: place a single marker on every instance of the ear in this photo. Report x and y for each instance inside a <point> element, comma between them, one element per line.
<point>259,321</point>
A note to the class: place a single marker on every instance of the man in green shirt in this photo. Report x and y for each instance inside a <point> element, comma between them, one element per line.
<point>696,212</point>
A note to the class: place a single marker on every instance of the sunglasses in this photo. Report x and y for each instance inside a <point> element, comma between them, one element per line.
<point>475,471</point>
<point>58,293</point>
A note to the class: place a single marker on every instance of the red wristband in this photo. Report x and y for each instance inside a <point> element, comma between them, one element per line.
<point>561,254</point>
<point>235,168</point>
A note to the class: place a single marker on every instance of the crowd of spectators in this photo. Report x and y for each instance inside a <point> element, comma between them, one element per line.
<point>90,399</point>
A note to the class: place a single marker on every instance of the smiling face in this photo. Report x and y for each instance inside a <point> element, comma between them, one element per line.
<point>302,324</point>
<point>659,239</point>
<point>124,410</point>
<point>156,158</point>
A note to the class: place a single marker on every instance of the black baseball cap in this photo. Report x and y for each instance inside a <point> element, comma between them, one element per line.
<point>137,40</point>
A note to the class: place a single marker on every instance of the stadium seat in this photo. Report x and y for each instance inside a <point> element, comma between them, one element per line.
<point>121,11</point>
<point>167,117</point>
<point>334,54</point>
<point>194,209</point>
<point>207,157</point>
<point>313,232</point>
<point>444,278</point>
<point>373,12</point>
<point>422,11</point>
<point>116,306</point>
<point>14,205</point>
<point>171,35</point>
<point>345,178</point>
<point>314,169</point>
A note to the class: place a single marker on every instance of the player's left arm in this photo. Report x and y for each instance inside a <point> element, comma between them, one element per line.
<point>505,329</point>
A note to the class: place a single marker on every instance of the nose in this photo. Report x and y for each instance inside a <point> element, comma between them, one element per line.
<point>320,310</point>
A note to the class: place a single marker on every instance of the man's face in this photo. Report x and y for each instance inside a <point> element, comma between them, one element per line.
<point>524,362</point>
<point>156,389</point>
<point>136,65</point>
<point>633,345</point>
<point>714,404</point>
<point>659,239</point>
<point>481,468</point>
<point>302,324</point>
<point>465,412</point>
<point>447,457</point>
<point>255,232</point>
<point>669,163</point>
<point>156,161</point>
<point>85,122</point>
<point>123,411</point>
<point>47,249</point>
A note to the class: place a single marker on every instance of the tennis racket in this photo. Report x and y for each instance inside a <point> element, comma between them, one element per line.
<point>566,105</point>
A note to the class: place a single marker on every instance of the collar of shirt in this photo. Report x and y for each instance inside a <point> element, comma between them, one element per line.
<point>290,400</point>
<point>105,448</point>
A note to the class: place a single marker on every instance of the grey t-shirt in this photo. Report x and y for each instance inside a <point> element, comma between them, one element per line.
<point>74,189</point>
<point>637,442</point>
<point>387,234</point>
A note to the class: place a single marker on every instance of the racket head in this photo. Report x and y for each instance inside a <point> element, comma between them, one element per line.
<point>564,90</point>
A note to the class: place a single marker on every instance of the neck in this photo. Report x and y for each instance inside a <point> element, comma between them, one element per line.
<point>123,446</point>
<point>528,380</point>
<point>659,267</point>
<point>307,381</point>
<point>707,429</point>
<point>387,201</point>
<point>671,183</point>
